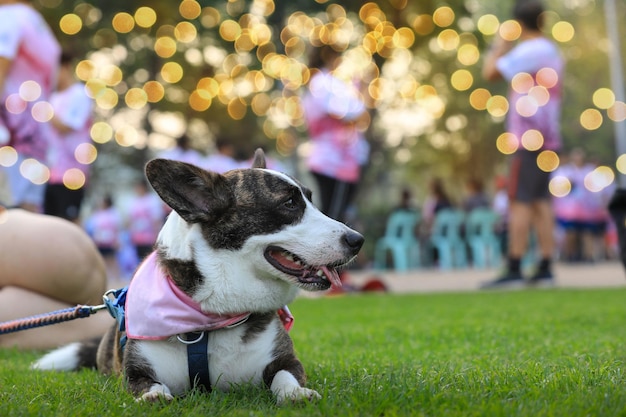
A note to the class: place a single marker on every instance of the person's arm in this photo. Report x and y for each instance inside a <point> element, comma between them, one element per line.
<point>490,68</point>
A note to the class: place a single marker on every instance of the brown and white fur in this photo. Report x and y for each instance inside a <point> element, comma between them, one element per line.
<point>244,241</point>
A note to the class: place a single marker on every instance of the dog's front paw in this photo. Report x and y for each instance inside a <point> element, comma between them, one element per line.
<point>297,394</point>
<point>157,393</point>
<point>286,388</point>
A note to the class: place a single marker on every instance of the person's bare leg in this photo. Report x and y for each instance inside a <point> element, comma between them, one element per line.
<point>544,227</point>
<point>518,234</point>
<point>50,256</point>
<point>19,303</point>
<point>520,216</point>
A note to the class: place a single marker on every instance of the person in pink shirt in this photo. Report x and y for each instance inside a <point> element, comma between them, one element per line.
<point>145,218</point>
<point>582,214</point>
<point>68,132</point>
<point>29,61</point>
<point>533,68</point>
<point>104,226</point>
<point>336,117</point>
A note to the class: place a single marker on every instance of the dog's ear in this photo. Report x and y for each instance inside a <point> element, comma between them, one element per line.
<point>259,159</point>
<point>195,194</point>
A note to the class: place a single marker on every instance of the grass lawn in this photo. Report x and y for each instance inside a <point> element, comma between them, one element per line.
<point>524,353</point>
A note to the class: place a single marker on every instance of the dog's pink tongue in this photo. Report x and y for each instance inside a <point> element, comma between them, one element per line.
<point>332,275</point>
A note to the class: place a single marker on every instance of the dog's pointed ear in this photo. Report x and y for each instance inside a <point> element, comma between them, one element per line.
<point>195,194</point>
<point>259,159</point>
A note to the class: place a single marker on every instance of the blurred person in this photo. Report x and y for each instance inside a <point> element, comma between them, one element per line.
<point>336,118</point>
<point>500,205</point>
<point>437,199</point>
<point>145,219</point>
<point>183,151</point>
<point>476,196</point>
<point>533,58</point>
<point>104,226</point>
<point>223,159</point>
<point>48,264</point>
<point>29,62</point>
<point>582,214</point>
<point>68,130</point>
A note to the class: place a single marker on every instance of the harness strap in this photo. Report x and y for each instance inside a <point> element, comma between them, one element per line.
<point>198,359</point>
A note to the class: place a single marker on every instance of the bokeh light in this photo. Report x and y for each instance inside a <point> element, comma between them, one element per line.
<point>479,98</point>
<point>488,24</point>
<point>423,24</point>
<point>86,153</point>
<point>74,179</point>
<point>560,186</point>
<point>510,30</point>
<point>532,140</point>
<point>42,111</point>
<point>599,179</point>
<point>563,31</point>
<point>136,98</point>
<point>145,17</point>
<point>190,9</point>
<point>165,46</point>
<point>101,132</point>
<point>497,106</point>
<point>461,80</point>
<point>507,143</point>
<point>620,164</point>
<point>617,112</point>
<point>34,171</point>
<point>468,54</point>
<point>443,16</point>
<point>70,24</point>
<point>591,119</point>
<point>603,98</point>
<point>548,161</point>
<point>8,156</point>
<point>154,91</point>
<point>30,91</point>
<point>123,22</point>
<point>172,72</point>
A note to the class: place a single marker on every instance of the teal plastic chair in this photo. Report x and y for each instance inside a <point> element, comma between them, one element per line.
<point>399,241</point>
<point>481,238</point>
<point>446,237</point>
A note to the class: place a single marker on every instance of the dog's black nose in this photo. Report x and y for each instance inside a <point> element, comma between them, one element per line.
<point>354,241</point>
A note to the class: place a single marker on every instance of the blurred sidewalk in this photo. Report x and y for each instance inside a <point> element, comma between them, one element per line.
<point>568,275</point>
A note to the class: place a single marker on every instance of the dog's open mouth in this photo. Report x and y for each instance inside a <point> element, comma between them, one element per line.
<point>309,275</point>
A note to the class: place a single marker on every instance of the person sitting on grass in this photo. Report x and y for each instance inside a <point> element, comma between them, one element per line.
<point>46,264</point>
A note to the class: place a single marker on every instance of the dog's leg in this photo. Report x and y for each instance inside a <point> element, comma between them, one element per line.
<point>285,374</point>
<point>286,387</point>
<point>141,378</point>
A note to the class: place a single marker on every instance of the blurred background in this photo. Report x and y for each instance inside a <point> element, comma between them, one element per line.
<point>237,69</point>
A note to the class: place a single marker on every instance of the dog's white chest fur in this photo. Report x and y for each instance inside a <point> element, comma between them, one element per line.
<point>231,362</point>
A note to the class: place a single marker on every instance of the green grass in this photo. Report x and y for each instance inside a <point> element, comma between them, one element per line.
<point>526,353</point>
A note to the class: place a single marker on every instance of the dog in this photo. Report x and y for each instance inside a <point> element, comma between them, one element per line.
<point>236,249</point>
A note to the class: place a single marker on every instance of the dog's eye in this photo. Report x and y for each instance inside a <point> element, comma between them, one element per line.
<point>290,204</point>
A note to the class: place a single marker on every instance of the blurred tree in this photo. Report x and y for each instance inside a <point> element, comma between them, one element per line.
<point>238,67</point>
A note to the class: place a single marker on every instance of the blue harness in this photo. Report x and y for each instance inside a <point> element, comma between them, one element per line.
<point>197,342</point>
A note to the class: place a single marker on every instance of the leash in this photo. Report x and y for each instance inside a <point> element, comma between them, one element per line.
<point>115,307</point>
<point>45,319</point>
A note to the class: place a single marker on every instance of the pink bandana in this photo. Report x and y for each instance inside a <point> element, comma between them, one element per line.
<point>157,309</point>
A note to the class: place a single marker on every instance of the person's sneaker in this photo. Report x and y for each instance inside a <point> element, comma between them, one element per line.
<point>507,281</point>
<point>541,279</point>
